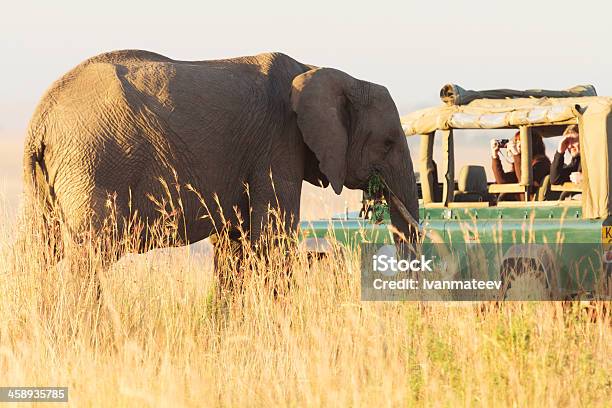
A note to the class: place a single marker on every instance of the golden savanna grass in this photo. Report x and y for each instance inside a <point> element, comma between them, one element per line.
<point>161,335</point>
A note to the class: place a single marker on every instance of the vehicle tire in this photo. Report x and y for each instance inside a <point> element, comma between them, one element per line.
<point>524,279</point>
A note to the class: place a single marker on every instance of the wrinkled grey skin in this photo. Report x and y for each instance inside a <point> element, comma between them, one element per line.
<point>120,121</point>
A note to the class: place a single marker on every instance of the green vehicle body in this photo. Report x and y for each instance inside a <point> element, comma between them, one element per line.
<point>557,238</point>
<point>497,231</point>
<point>486,225</point>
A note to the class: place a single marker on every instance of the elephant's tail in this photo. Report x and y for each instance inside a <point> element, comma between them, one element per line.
<point>39,207</point>
<point>36,178</point>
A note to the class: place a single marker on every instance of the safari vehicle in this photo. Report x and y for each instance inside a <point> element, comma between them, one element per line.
<point>464,208</point>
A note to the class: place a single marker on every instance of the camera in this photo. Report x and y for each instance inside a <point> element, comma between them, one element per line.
<point>502,143</point>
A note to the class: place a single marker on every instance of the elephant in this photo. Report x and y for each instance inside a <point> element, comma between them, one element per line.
<point>119,122</point>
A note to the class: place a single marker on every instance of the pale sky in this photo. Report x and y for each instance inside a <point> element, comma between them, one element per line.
<point>411,47</point>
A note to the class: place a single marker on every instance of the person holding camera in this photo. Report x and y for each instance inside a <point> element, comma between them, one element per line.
<point>560,172</point>
<point>540,162</point>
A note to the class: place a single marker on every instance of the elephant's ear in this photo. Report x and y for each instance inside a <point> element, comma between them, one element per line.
<point>318,99</point>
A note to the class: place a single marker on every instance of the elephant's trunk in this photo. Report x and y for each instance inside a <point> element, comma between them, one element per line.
<point>401,193</point>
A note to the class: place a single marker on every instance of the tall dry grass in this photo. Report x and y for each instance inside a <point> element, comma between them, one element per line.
<point>161,336</point>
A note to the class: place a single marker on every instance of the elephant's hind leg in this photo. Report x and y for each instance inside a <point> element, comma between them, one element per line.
<point>92,241</point>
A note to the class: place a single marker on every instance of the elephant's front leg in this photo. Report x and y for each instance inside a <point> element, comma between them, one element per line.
<point>275,215</point>
<point>274,209</point>
<point>228,261</point>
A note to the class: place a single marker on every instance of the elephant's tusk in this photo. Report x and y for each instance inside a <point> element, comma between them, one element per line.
<point>405,213</point>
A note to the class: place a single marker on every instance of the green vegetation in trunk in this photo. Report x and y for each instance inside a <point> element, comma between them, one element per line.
<point>375,192</point>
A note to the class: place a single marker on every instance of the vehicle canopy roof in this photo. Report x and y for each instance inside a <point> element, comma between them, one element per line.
<point>548,110</point>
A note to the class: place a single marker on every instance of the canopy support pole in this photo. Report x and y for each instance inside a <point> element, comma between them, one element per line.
<point>448,150</point>
<point>526,159</point>
<point>426,168</point>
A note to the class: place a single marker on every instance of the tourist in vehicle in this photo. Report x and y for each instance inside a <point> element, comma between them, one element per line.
<point>539,162</point>
<point>561,172</point>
